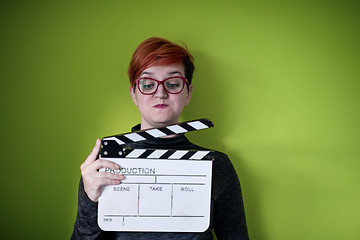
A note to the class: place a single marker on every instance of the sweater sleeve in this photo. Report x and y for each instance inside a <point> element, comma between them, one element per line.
<point>229,214</point>
<point>86,227</point>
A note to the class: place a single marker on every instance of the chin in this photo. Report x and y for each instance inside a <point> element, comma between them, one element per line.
<point>163,122</point>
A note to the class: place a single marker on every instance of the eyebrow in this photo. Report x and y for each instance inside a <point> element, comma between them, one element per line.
<point>175,72</point>
<point>148,73</point>
<point>170,73</point>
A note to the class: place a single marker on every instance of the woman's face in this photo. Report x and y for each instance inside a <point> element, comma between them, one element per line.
<point>161,108</point>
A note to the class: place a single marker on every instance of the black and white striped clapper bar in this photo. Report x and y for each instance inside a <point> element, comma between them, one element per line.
<point>111,146</point>
<point>164,190</point>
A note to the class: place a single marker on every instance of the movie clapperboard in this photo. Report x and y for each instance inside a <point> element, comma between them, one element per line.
<point>163,190</point>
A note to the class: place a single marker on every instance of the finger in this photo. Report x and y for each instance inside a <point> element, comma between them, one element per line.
<point>93,155</point>
<point>92,189</point>
<point>111,176</point>
<point>96,184</point>
<point>110,182</point>
<point>101,163</point>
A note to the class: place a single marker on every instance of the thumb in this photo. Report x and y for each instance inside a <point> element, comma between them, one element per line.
<point>94,153</point>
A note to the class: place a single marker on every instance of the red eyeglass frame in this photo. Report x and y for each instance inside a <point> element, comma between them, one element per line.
<point>161,83</point>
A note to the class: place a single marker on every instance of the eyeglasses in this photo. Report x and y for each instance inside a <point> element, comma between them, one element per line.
<point>173,85</point>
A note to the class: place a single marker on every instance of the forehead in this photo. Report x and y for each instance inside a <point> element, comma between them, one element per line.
<point>166,70</point>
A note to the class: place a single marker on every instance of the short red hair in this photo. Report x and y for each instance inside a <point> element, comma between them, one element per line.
<point>159,51</point>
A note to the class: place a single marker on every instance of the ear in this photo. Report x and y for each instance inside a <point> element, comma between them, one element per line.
<point>187,101</point>
<point>133,95</point>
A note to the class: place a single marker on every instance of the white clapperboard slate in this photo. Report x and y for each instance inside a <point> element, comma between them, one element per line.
<point>163,190</point>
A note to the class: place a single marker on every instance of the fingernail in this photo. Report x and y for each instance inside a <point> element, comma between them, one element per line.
<point>117,166</point>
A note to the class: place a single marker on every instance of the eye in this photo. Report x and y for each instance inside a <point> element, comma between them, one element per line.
<point>147,84</point>
<point>174,83</point>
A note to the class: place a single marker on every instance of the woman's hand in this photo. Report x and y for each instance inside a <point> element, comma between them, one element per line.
<point>93,179</point>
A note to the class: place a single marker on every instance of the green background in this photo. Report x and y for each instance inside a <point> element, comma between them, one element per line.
<point>280,80</point>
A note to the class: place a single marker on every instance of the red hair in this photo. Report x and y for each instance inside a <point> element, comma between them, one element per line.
<point>159,51</point>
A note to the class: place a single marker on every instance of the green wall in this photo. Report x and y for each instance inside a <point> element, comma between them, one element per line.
<point>280,80</point>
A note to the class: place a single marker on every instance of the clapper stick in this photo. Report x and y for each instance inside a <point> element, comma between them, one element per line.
<point>111,146</point>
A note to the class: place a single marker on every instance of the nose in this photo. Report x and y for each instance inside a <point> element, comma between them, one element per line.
<point>161,92</point>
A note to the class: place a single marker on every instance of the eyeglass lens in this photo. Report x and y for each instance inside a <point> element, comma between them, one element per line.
<point>172,85</point>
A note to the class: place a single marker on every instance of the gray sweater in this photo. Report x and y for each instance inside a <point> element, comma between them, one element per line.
<point>227,210</point>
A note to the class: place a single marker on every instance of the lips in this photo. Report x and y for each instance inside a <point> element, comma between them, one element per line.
<point>161,106</point>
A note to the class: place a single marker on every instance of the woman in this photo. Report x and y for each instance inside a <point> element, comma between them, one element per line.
<point>160,74</point>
